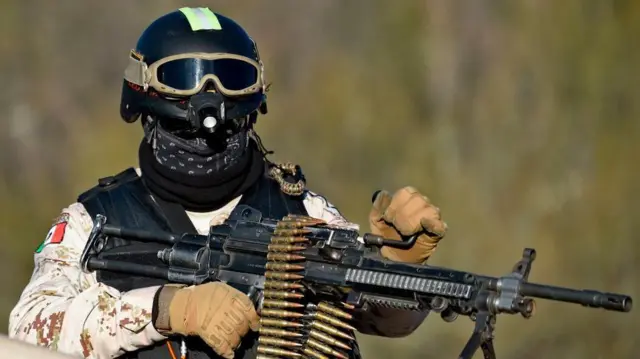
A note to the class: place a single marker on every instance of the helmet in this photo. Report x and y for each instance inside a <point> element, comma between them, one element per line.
<point>189,60</point>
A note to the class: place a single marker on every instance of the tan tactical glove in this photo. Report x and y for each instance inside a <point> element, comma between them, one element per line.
<point>407,213</point>
<point>216,312</point>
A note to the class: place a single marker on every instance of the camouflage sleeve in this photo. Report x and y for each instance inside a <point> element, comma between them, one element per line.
<point>64,309</point>
<point>385,322</point>
<point>319,207</point>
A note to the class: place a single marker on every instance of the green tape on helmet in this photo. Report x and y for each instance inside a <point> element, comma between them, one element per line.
<point>201,18</point>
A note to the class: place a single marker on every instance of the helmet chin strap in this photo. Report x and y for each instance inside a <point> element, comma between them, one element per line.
<point>256,138</point>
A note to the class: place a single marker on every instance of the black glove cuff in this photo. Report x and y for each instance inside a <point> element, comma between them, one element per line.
<point>161,305</point>
<point>154,308</point>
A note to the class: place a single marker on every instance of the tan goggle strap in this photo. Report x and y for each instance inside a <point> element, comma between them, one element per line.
<point>145,76</point>
<point>136,71</point>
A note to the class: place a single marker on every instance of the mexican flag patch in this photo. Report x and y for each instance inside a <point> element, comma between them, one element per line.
<point>55,235</point>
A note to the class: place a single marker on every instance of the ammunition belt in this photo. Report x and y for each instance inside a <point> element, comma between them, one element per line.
<point>292,326</point>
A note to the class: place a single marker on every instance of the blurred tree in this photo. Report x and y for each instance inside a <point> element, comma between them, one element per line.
<point>519,119</point>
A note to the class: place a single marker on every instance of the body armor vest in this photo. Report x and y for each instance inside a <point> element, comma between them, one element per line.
<point>126,201</point>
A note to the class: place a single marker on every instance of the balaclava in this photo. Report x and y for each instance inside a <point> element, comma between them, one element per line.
<point>183,162</point>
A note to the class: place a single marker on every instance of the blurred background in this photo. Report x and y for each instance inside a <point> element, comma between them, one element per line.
<point>519,119</point>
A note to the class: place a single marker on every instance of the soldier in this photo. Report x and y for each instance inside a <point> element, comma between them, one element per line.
<point>196,83</point>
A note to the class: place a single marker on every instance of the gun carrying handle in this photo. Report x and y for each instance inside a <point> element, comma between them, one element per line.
<point>378,241</point>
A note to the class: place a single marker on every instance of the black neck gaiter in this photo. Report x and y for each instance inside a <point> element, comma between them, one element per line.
<point>207,190</point>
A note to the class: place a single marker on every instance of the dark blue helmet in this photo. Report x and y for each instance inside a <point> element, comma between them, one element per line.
<point>187,52</point>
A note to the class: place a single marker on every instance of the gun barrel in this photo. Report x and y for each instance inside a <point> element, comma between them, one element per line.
<point>589,298</point>
<point>140,234</point>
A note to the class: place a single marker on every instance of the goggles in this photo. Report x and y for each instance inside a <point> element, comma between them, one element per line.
<point>186,74</point>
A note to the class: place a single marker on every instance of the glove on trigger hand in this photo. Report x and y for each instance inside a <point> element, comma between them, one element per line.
<point>407,213</point>
<point>216,312</point>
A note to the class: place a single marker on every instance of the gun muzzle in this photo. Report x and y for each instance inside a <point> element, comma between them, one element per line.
<point>589,298</point>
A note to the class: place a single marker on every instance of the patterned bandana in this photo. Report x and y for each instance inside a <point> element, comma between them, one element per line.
<point>195,157</point>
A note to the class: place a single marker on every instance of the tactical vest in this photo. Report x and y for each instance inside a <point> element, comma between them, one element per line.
<point>125,201</point>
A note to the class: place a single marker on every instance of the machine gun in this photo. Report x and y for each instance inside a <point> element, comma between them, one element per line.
<point>309,279</point>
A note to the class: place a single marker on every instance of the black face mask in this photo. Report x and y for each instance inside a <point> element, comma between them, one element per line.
<point>201,155</point>
<point>198,166</point>
<point>198,156</point>
<point>206,143</point>
<point>197,192</point>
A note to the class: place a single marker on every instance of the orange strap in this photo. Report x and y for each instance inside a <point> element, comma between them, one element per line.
<point>173,354</point>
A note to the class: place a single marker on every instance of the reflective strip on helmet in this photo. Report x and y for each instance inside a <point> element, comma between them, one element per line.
<point>201,18</point>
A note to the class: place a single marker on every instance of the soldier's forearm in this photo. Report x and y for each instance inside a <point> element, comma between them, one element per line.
<point>99,322</point>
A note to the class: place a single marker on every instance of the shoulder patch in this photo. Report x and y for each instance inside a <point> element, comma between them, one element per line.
<point>56,233</point>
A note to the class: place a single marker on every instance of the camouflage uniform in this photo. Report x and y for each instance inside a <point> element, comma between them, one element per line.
<point>65,309</point>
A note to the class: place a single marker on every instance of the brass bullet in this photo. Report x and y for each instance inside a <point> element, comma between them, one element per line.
<point>271,303</point>
<point>331,320</point>
<point>348,306</point>
<point>314,354</point>
<point>263,349</point>
<point>279,323</point>
<point>262,356</point>
<point>284,257</point>
<point>329,329</point>
<point>282,232</point>
<point>344,289</point>
<point>297,217</point>
<point>291,224</point>
<point>282,294</point>
<point>300,223</point>
<point>280,313</point>
<point>316,334</point>
<point>289,240</point>
<point>274,332</point>
<point>327,308</point>
<point>278,342</point>
<point>282,285</point>
<point>316,221</point>
<point>282,275</point>
<point>325,348</point>
<point>285,248</point>
<point>277,266</point>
